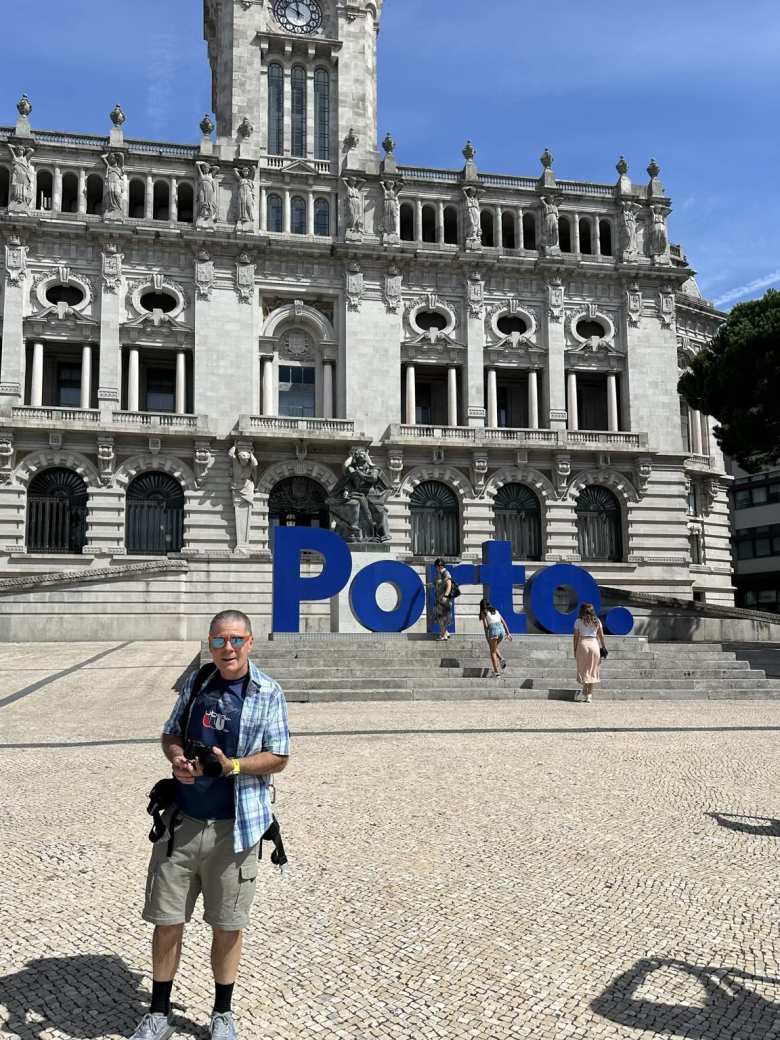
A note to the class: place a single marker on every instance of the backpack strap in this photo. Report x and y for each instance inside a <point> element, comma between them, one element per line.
<point>203,677</point>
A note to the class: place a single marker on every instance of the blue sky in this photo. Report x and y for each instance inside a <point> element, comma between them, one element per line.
<point>695,83</point>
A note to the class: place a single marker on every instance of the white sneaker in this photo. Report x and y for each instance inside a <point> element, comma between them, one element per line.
<point>589,699</point>
<point>578,696</point>
<point>153,1026</point>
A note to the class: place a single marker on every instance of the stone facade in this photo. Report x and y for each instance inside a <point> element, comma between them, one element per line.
<point>475,331</point>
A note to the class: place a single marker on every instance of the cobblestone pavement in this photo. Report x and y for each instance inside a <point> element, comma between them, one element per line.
<point>480,870</point>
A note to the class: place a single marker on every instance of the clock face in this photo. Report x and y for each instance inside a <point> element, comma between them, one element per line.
<point>298,16</point>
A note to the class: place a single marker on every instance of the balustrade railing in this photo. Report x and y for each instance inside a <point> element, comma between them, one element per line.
<point>507,435</point>
<point>284,424</point>
<point>163,419</point>
<point>55,414</point>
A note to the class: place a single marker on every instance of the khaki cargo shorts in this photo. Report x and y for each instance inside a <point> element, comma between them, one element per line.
<point>202,860</point>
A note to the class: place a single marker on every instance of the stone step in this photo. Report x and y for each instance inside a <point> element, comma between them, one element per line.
<point>292,671</point>
<point>385,685</point>
<point>498,690</point>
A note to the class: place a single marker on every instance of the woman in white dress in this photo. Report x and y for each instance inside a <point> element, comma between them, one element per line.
<point>588,646</point>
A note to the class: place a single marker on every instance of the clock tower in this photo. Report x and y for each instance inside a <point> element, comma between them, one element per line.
<point>302,74</point>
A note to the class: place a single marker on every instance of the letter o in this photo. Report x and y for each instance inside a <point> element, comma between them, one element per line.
<point>542,597</point>
<point>411,597</point>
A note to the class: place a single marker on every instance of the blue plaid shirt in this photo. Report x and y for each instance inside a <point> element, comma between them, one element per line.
<point>263,727</point>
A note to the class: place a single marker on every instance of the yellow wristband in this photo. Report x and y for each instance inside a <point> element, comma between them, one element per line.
<point>236,767</point>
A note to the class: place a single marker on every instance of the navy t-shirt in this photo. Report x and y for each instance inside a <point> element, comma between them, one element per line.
<point>214,720</point>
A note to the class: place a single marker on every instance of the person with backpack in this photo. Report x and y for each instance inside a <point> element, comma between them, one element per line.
<point>589,649</point>
<point>227,735</point>
<point>444,590</point>
<point>496,630</point>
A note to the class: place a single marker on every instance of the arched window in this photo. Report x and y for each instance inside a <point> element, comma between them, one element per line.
<point>322,114</point>
<point>321,217</point>
<point>435,520</point>
<point>70,192</point>
<point>298,92</point>
<point>185,203</point>
<point>297,502</point>
<point>56,512</point>
<point>488,223</point>
<point>518,521</point>
<point>161,206</point>
<point>94,194</point>
<point>154,515</point>
<point>5,182</point>
<point>407,222</point>
<point>599,525</point>
<point>586,238</point>
<point>298,215</point>
<point>529,231</point>
<point>508,234</point>
<point>564,233</point>
<point>275,219</point>
<point>44,190</point>
<point>605,237</point>
<point>136,199</point>
<point>275,109</point>
<point>451,226</point>
<point>429,224</point>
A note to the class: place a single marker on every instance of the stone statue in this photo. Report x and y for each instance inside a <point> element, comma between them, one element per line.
<point>354,204</point>
<point>207,193</point>
<point>473,215</point>
<point>628,229</point>
<point>659,239</point>
<point>551,232</point>
<point>392,207</point>
<point>246,195</point>
<point>245,467</point>
<point>115,184</point>
<point>357,503</point>
<point>22,188</point>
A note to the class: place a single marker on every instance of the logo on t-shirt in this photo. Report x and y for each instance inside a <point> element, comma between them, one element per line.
<point>215,720</point>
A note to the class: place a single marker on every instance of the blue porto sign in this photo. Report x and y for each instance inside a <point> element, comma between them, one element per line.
<point>497,573</point>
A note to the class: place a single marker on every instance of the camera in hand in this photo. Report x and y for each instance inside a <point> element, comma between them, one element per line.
<point>204,755</point>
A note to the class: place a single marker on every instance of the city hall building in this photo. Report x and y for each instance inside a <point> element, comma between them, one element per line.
<point>285,290</point>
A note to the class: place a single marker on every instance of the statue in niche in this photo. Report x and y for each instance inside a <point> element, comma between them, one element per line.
<point>354,188</point>
<point>115,184</point>
<point>392,207</point>
<point>244,479</point>
<point>246,194</point>
<point>659,239</point>
<point>551,226</point>
<point>22,188</point>
<point>207,193</point>
<point>357,503</point>
<point>473,215</point>
<point>628,229</point>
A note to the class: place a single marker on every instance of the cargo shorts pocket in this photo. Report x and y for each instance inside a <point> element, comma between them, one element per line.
<point>247,882</point>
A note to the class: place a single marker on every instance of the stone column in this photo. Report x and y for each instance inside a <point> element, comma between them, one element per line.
<point>310,214</point>
<point>268,386</point>
<point>492,398</point>
<point>612,403</point>
<point>287,212</point>
<point>411,397</point>
<point>596,237</point>
<point>452,396</point>
<point>86,376</point>
<point>36,385</point>
<point>520,232</point>
<point>695,423</point>
<point>133,372</point>
<point>440,224</point>
<point>327,390</point>
<point>418,221</point>
<point>173,206</point>
<point>499,237</point>
<point>263,209</point>
<point>56,200</point>
<point>149,201</point>
<point>181,383</point>
<point>82,200</point>
<point>575,233</point>
<point>571,380</point>
<point>533,400</point>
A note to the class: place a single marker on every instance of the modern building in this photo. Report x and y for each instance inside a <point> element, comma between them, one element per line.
<point>508,347</point>
<point>756,526</point>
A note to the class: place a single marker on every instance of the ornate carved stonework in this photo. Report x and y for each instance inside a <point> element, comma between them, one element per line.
<point>555,297</point>
<point>7,456</point>
<point>112,268</point>
<point>203,460</point>
<point>15,260</point>
<point>666,306</point>
<point>475,290</point>
<point>479,470</point>
<point>634,305</point>
<point>296,345</point>
<point>204,275</point>
<point>355,286</point>
<point>245,278</point>
<point>106,459</point>
<point>354,206</point>
<point>562,474</point>
<point>644,471</point>
<point>395,465</point>
<point>393,289</point>
<point>115,186</point>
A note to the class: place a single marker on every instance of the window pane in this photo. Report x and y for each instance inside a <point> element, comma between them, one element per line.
<point>275,110</point>
<point>160,390</point>
<point>298,211</point>
<point>760,496</point>
<point>321,217</point>
<point>744,550</point>
<point>767,596</point>
<point>742,499</point>
<point>763,547</point>
<point>298,88</point>
<point>322,114</point>
<point>274,213</point>
<point>69,386</point>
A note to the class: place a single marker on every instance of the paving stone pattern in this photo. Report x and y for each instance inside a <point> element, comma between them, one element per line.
<point>494,870</point>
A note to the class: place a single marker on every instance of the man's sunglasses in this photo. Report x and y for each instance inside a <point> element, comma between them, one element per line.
<point>218,642</point>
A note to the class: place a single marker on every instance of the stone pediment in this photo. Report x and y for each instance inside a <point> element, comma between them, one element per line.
<point>63,313</point>
<point>299,166</point>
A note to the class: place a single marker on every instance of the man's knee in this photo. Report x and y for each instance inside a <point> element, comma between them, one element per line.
<point>169,932</point>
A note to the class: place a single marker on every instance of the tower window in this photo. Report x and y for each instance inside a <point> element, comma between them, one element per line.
<point>322,114</point>
<point>321,217</point>
<point>275,109</point>
<point>298,215</point>
<point>274,213</point>
<point>298,88</point>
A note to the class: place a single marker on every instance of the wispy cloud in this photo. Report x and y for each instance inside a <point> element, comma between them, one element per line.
<point>161,78</point>
<point>751,287</point>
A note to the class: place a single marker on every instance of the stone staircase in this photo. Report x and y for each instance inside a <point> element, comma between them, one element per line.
<point>318,668</point>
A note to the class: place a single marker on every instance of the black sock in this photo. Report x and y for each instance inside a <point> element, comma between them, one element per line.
<point>223,997</point>
<point>161,997</point>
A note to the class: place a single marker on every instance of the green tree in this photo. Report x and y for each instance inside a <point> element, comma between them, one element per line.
<point>736,379</point>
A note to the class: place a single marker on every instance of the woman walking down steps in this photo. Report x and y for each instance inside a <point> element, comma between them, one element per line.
<point>589,648</point>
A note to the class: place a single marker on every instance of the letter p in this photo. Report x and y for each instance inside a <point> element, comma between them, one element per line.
<point>290,589</point>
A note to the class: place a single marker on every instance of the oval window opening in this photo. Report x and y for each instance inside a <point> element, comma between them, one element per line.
<point>65,294</point>
<point>586,329</point>
<point>511,323</point>
<point>428,320</point>
<point>157,301</point>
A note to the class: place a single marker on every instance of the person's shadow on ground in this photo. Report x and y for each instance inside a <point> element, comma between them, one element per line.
<point>768,827</point>
<point>728,1007</point>
<point>84,997</point>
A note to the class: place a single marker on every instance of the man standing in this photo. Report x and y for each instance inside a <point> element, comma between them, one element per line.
<point>240,714</point>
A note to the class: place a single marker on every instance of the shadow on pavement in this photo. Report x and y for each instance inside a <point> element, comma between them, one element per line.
<point>725,1007</point>
<point>84,997</point>
<point>769,827</point>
